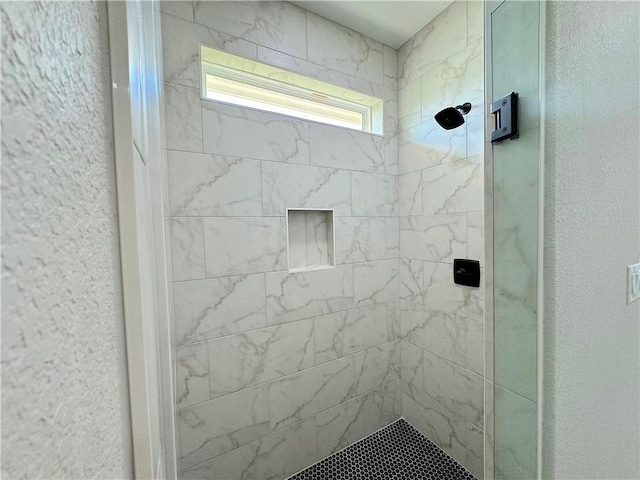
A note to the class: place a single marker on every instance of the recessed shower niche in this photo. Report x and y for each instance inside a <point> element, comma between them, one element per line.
<point>310,239</point>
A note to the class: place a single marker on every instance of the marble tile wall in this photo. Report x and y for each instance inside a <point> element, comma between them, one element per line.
<point>276,369</point>
<point>441,217</point>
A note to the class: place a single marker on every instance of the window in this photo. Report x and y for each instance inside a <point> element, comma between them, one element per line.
<point>239,81</point>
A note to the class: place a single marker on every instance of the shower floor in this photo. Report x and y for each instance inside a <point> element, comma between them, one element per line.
<point>398,451</point>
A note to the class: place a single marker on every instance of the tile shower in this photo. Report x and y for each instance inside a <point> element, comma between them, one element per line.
<point>275,370</point>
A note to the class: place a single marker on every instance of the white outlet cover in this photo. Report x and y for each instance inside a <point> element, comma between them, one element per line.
<point>633,282</point>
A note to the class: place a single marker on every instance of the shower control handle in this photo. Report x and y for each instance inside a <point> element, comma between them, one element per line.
<point>505,112</point>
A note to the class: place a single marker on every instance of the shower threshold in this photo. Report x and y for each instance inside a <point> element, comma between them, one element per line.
<point>398,451</point>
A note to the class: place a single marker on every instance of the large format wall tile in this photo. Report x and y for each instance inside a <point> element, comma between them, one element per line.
<point>192,374</point>
<point>181,41</point>
<point>454,187</point>
<point>218,426</point>
<point>343,49</point>
<point>343,333</point>
<point>376,366</point>
<point>303,67</point>
<point>410,193</point>
<point>306,393</point>
<point>183,118</point>
<point>441,293</point>
<point>294,296</point>
<point>207,309</point>
<point>390,57</point>
<point>441,425</point>
<point>457,388</point>
<point>374,194</point>
<point>456,80</point>
<point>178,8</point>
<point>428,144</point>
<point>240,361</point>
<point>454,338</point>
<point>301,186</point>
<point>187,248</point>
<point>376,282</point>
<point>241,245</point>
<point>279,25</point>
<point>208,185</point>
<point>273,457</point>
<point>439,39</point>
<point>438,238</point>
<point>343,148</point>
<point>351,421</point>
<point>241,132</point>
<point>359,239</point>
<point>411,367</point>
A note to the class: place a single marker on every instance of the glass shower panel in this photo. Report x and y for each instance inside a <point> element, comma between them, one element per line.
<point>515,67</point>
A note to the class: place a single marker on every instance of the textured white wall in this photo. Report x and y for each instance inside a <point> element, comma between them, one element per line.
<point>592,233</point>
<point>64,384</point>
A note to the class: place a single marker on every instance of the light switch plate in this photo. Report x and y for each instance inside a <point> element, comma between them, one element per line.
<point>633,282</point>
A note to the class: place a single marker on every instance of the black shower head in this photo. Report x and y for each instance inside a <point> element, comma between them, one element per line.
<point>451,118</point>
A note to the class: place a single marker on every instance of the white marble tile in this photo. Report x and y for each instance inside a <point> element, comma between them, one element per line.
<point>392,236</point>
<point>410,193</point>
<point>297,65</point>
<point>515,436</point>
<point>339,147</point>
<point>178,8</point>
<point>475,125</point>
<point>475,451</point>
<point>220,425</point>
<point>454,187</point>
<point>192,375</point>
<point>454,338</point>
<point>199,472</point>
<point>437,422</point>
<point>187,248</point>
<point>353,420</point>
<point>273,457</point>
<point>439,39</point>
<point>441,293</point>
<point>390,57</point>
<point>374,194</point>
<point>390,109</point>
<point>377,366</point>
<point>455,387</point>
<point>183,118</point>
<point>246,133</point>
<point>410,104</point>
<point>454,81</point>
<point>302,186</point>
<point>306,393</point>
<point>359,239</point>
<point>212,308</point>
<point>354,330</point>
<point>475,236</point>
<point>208,185</point>
<point>297,238</point>
<point>344,50</point>
<point>294,296</point>
<point>239,245</point>
<point>411,364</point>
<point>429,144</point>
<point>393,319</point>
<point>240,361</point>
<point>438,238</point>
<point>391,153</point>
<point>475,21</point>
<point>411,280</point>
<point>181,40</point>
<point>376,282</point>
<point>278,25</point>
<point>319,238</point>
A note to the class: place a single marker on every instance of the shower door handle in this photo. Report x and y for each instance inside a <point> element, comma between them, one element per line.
<point>505,111</point>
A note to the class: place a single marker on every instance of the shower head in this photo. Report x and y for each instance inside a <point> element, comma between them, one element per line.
<point>451,117</point>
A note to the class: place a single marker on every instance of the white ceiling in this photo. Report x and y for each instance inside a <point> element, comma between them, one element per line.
<point>389,22</point>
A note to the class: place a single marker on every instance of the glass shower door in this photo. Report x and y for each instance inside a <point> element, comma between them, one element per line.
<point>513,182</point>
